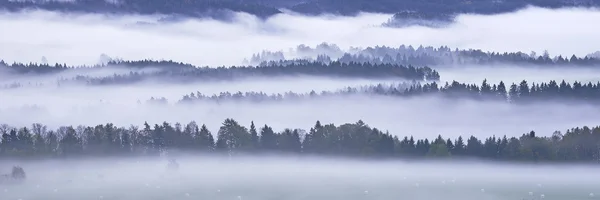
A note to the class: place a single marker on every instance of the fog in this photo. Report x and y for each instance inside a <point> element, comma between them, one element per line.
<point>421,117</point>
<point>45,84</point>
<point>51,79</point>
<point>80,39</point>
<point>80,94</point>
<point>296,178</point>
<point>515,74</point>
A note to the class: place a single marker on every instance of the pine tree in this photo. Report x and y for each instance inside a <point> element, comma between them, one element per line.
<point>268,139</point>
<point>206,140</point>
<point>254,136</point>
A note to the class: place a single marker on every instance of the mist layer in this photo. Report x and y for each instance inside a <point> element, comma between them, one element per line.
<point>80,39</point>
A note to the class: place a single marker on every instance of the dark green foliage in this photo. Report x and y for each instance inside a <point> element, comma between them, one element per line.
<point>179,72</point>
<point>334,69</point>
<point>254,137</point>
<point>70,144</point>
<point>350,140</point>
<point>521,93</point>
<point>233,137</point>
<point>268,138</point>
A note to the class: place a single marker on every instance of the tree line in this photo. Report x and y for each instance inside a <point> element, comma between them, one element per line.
<point>46,68</point>
<point>521,93</point>
<point>515,93</point>
<point>173,72</point>
<point>334,69</point>
<point>350,140</point>
<point>422,56</point>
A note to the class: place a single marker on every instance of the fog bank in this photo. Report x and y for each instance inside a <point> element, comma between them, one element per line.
<point>420,117</point>
<point>515,74</point>
<point>49,94</point>
<point>293,178</point>
<point>125,105</point>
<point>80,39</point>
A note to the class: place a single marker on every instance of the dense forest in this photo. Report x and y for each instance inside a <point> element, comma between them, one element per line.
<point>169,71</point>
<point>334,69</point>
<point>427,9</point>
<point>420,56</point>
<point>516,93</point>
<point>348,140</point>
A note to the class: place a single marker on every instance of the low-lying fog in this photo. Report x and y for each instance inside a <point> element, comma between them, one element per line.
<point>292,178</point>
<point>51,95</point>
<point>421,117</point>
<point>51,78</point>
<point>80,39</point>
<point>473,74</point>
<point>515,74</point>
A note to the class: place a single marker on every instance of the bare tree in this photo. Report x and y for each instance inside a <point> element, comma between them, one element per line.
<point>38,128</point>
<point>4,128</point>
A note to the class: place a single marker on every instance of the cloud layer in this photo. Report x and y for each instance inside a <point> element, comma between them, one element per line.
<point>420,117</point>
<point>80,39</point>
